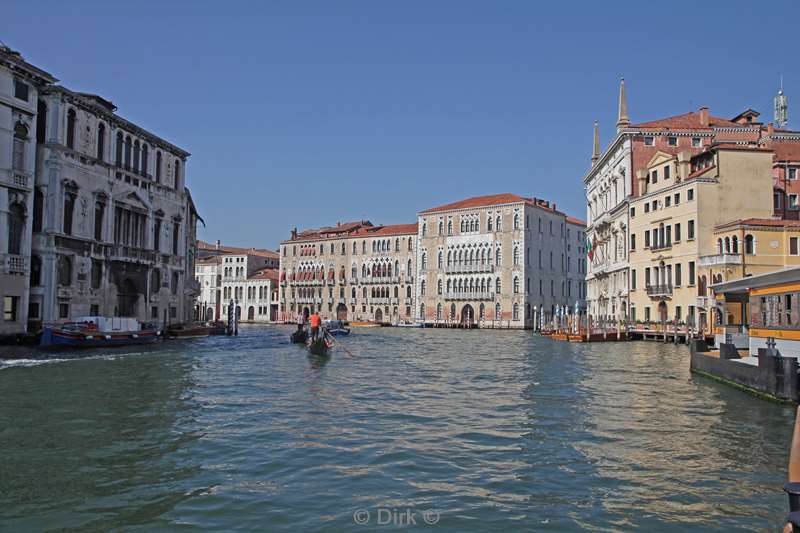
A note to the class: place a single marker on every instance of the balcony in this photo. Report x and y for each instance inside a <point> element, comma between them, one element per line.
<point>720,260</point>
<point>469,296</point>
<point>469,269</point>
<point>656,291</point>
<point>661,246</point>
<point>602,219</point>
<point>15,264</point>
<point>18,179</point>
<point>407,301</point>
<point>121,252</point>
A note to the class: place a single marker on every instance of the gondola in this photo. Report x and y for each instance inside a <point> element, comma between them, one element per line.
<point>299,336</point>
<point>319,346</point>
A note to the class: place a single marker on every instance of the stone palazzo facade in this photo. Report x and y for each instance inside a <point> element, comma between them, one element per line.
<point>497,261</point>
<point>351,271</point>
<point>490,261</point>
<point>108,223</point>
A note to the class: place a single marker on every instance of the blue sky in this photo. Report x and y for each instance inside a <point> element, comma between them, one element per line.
<point>304,113</point>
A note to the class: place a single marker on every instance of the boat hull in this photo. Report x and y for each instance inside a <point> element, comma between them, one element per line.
<point>56,337</point>
<point>318,347</point>
<point>340,332</point>
<point>299,337</point>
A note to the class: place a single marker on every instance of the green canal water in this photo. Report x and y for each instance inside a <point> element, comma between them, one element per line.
<point>457,431</point>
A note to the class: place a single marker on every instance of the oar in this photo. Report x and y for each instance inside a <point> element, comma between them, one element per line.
<point>333,339</point>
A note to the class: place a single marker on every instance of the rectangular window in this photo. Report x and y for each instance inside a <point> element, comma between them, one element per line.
<point>97,273</point>
<point>678,312</point>
<point>654,205</point>
<point>677,274</point>
<point>63,310</point>
<point>20,90</point>
<point>672,141</point>
<point>633,314</point>
<point>633,279</point>
<point>677,232</point>
<point>647,277</point>
<point>633,241</point>
<point>654,176</point>
<point>668,201</point>
<point>792,201</point>
<point>647,208</point>
<point>647,314</point>
<point>648,141</point>
<point>33,310</point>
<point>633,212</point>
<point>690,230</point>
<point>792,245</point>
<point>154,312</point>
<point>94,310</point>
<point>10,308</point>
<point>695,142</point>
<point>776,201</point>
<point>647,238</point>
<point>666,172</point>
<point>691,273</point>
<point>676,198</point>
<point>792,173</point>
<point>690,195</point>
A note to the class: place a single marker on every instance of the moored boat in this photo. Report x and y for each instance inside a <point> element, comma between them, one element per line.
<point>98,332</point>
<point>337,328</point>
<point>190,329</point>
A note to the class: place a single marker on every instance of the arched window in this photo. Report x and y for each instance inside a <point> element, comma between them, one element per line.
<point>353,293</point>
<point>439,260</point>
<point>363,247</point>
<point>516,220</point>
<point>498,220</point>
<point>498,257</point>
<point>128,146</point>
<point>16,227</point>
<point>145,155</point>
<point>463,226</point>
<point>438,287</point>
<point>719,246</point>
<point>177,174</point>
<point>489,224</point>
<point>374,246</point>
<point>735,244</point>
<point>136,153</point>
<point>410,244</point>
<point>355,248</point>
<point>441,227</point>
<point>516,255</point>
<point>101,141</point>
<point>449,227</point>
<point>120,143</point>
<point>20,136</point>
<point>516,311</point>
<point>438,311</point>
<point>397,245</point>
<point>516,285</point>
<point>408,291</point>
<point>498,313</point>
<point>158,166</point>
<point>64,272</point>
<point>71,123</point>
<point>497,286</point>
<point>424,228</point>
<point>409,271</point>
<point>749,245</point>
<point>727,245</point>
<point>422,288</point>
<point>424,262</point>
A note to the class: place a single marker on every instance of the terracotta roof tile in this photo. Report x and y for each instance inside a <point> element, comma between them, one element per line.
<point>235,250</point>
<point>478,201</point>
<point>265,273</point>
<point>577,221</point>
<point>767,222</point>
<point>786,150</point>
<point>689,121</point>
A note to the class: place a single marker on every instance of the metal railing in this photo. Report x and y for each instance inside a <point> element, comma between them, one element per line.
<point>659,290</point>
<point>15,264</point>
<point>469,296</point>
<point>469,268</point>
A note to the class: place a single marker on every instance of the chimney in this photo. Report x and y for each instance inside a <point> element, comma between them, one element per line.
<point>294,233</point>
<point>770,129</point>
<point>704,116</point>
<point>684,167</point>
<point>217,245</point>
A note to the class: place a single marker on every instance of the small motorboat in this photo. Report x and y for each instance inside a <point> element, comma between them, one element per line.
<point>337,328</point>
<point>98,332</point>
<point>319,346</point>
<point>410,325</point>
<point>190,329</point>
<point>299,336</point>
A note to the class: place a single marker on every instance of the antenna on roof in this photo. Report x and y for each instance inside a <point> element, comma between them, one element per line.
<point>781,108</point>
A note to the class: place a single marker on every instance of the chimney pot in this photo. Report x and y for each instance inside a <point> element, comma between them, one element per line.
<point>770,129</point>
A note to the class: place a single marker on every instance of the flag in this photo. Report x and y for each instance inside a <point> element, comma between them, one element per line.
<point>589,249</point>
